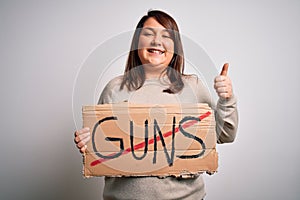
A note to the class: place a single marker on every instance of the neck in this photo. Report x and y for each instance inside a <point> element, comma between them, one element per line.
<point>154,71</point>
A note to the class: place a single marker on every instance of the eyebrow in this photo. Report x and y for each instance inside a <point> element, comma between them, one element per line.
<point>153,29</point>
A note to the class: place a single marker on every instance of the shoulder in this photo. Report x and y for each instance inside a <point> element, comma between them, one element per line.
<point>198,87</point>
<point>111,88</point>
<point>191,79</point>
<point>194,81</point>
<point>114,83</point>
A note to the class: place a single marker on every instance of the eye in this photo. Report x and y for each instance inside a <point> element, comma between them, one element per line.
<point>166,36</point>
<point>148,34</point>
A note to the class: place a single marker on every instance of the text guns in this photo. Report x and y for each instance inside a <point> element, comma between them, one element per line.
<point>157,136</point>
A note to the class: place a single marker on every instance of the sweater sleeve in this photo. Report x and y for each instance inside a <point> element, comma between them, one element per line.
<point>226,115</point>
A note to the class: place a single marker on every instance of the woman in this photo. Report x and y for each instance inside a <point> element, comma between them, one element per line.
<point>154,74</point>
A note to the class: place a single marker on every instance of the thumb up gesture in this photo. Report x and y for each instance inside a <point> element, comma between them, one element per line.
<point>223,84</point>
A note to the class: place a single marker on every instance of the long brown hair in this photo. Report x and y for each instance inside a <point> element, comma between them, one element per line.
<point>134,75</point>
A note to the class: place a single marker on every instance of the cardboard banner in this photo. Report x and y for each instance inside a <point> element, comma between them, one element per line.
<point>150,140</point>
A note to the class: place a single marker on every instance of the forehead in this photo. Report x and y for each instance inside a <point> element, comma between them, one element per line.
<point>152,23</point>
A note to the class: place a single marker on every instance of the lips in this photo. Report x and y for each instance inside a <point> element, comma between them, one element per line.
<point>156,51</point>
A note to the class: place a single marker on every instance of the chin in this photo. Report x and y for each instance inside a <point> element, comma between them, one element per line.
<point>156,64</point>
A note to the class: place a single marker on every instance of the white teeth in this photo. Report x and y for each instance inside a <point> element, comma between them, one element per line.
<point>155,51</point>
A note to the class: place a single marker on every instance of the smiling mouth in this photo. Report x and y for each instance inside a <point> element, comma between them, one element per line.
<point>156,51</point>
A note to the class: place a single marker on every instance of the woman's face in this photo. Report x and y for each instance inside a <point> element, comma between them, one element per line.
<point>156,47</point>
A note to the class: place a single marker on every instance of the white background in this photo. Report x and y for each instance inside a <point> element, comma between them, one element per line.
<point>44,43</point>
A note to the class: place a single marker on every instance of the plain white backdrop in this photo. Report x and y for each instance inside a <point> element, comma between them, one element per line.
<point>44,43</point>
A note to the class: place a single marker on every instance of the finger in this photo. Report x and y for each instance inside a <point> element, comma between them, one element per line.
<point>81,137</point>
<point>224,69</point>
<point>82,150</point>
<point>82,131</point>
<point>220,78</point>
<point>224,95</point>
<point>83,142</point>
<point>222,90</point>
<point>220,84</point>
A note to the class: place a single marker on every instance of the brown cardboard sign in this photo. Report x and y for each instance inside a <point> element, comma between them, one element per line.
<point>150,140</point>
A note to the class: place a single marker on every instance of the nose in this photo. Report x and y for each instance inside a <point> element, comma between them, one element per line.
<point>156,40</point>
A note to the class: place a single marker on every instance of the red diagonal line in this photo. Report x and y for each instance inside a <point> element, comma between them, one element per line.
<point>151,141</point>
